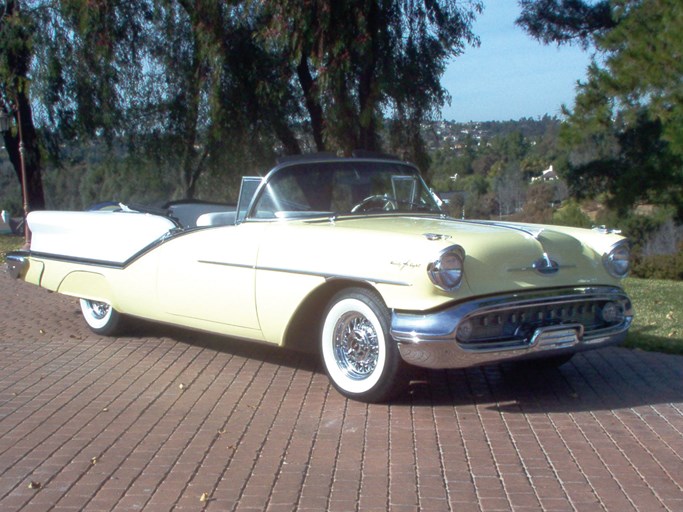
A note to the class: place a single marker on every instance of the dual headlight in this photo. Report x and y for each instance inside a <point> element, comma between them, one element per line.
<point>617,260</point>
<point>446,271</point>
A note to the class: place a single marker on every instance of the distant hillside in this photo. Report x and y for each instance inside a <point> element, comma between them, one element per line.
<point>447,134</point>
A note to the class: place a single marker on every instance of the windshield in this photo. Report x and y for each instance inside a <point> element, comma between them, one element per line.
<point>344,188</point>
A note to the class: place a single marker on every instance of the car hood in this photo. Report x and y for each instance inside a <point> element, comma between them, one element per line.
<point>512,246</point>
<point>500,256</point>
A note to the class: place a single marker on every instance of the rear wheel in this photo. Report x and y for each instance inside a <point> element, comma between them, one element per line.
<point>101,317</point>
<point>360,357</point>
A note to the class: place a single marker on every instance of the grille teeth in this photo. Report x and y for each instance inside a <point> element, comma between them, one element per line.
<point>518,324</point>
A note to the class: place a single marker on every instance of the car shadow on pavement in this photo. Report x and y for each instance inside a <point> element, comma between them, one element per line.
<point>264,352</point>
<point>606,379</point>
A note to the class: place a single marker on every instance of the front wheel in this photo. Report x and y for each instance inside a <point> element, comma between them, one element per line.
<point>101,317</point>
<point>360,357</point>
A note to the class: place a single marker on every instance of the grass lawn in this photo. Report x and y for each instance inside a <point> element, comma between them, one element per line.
<point>9,243</point>
<point>658,325</point>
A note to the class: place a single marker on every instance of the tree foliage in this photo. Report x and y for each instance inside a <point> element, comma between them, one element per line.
<point>566,21</point>
<point>626,127</point>
<point>180,81</point>
<point>358,63</point>
<point>195,88</point>
<point>16,52</point>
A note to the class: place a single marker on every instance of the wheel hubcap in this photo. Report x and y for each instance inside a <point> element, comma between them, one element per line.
<point>98,309</point>
<point>356,346</point>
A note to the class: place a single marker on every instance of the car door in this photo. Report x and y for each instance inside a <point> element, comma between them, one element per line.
<point>206,279</point>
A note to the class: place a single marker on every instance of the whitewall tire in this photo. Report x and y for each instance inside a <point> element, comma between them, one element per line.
<point>360,357</point>
<point>101,317</point>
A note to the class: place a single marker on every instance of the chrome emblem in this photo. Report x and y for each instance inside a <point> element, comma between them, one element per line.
<point>436,236</point>
<point>404,264</point>
<point>545,265</point>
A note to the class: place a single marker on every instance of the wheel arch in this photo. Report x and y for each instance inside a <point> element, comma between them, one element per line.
<point>304,328</point>
<point>86,285</point>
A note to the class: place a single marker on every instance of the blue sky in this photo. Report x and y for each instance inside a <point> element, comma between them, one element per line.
<point>510,75</point>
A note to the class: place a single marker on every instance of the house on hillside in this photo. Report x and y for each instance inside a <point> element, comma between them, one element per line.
<point>548,175</point>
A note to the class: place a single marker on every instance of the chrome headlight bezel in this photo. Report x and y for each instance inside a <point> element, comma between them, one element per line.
<point>448,270</point>
<point>617,260</point>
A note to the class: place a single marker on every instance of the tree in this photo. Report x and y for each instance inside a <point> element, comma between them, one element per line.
<point>68,59</point>
<point>16,53</point>
<point>359,62</point>
<point>182,82</point>
<point>626,128</point>
<point>538,204</point>
<point>566,21</point>
<point>195,87</point>
<point>227,101</point>
<point>510,188</point>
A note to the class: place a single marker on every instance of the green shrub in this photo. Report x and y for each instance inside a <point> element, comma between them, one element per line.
<point>571,215</point>
<point>656,242</point>
<point>659,266</point>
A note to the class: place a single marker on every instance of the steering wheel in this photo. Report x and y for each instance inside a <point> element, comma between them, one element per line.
<point>388,204</point>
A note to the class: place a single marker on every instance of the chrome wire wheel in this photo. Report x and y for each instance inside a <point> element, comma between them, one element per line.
<point>101,317</point>
<point>360,357</point>
<point>98,310</point>
<point>356,345</point>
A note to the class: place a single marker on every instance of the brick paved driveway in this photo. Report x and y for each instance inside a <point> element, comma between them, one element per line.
<point>171,419</point>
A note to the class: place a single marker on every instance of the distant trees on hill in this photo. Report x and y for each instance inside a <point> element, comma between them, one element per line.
<point>494,163</point>
<point>494,169</point>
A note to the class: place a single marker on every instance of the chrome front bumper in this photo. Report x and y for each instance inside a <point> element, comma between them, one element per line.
<point>16,263</point>
<point>544,327</point>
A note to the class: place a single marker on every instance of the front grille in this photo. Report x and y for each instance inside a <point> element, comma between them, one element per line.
<point>515,325</point>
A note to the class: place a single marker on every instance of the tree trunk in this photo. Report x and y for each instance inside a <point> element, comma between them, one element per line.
<point>312,104</point>
<point>32,164</point>
<point>287,137</point>
<point>32,161</point>
<point>19,58</point>
<point>367,97</point>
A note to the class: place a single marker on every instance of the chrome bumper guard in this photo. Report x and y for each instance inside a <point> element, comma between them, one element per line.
<point>16,263</point>
<point>545,324</point>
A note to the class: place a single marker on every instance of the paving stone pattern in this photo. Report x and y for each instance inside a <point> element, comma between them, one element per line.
<point>168,419</point>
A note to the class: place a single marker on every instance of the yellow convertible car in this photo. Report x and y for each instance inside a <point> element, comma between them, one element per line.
<point>355,253</point>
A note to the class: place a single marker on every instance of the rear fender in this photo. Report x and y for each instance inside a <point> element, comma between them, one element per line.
<point>34,274</point>
<point>86,285</point>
